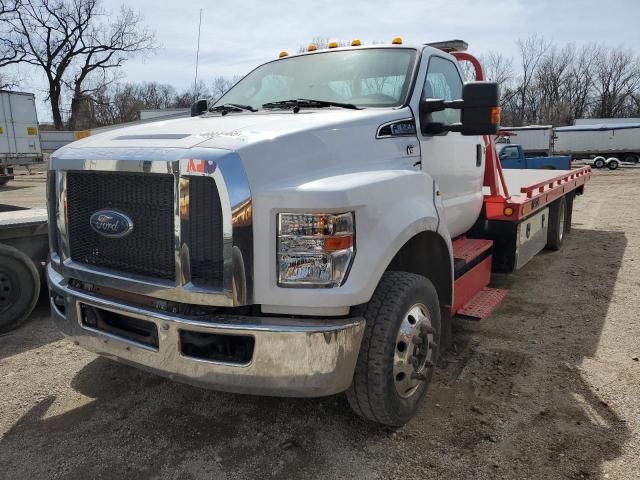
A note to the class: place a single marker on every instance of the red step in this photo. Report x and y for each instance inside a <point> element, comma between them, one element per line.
<point>467,249</point>
<point>483,303</point>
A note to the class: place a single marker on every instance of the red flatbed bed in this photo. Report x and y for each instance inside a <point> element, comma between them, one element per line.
<point>528,191</point>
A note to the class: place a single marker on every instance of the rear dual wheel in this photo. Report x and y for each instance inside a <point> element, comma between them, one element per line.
<point>613,163</point>
<point>399,349</point>
<point>559,222</point>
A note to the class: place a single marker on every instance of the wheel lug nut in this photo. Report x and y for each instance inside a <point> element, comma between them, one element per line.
<point>426,329</point>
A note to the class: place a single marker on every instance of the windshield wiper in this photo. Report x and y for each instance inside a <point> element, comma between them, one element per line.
<point>232,107</point>
<point>309,103</point>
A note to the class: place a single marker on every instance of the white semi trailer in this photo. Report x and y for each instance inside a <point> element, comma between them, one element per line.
<point>536,140</point>
<point>19,139</point>
<point>621,140</point>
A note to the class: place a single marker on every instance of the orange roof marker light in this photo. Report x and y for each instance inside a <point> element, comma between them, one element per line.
<point>397,41</point>
<point>333,45</point>
<point>312,48</point>
<point>283,54</point>
<point>356,43</point>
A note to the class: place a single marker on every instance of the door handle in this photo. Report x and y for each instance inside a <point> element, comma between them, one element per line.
<point>478,155</point>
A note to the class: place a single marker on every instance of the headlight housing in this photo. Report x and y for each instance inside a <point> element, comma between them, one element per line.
<point>315,249</point>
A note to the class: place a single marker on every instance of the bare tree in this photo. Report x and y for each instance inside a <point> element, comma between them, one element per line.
<point>71,39</point>
<point>185,99</point>
<point>10,53</point>
<point>578,92</point>
<point>221,85</point>
<point>531,50</point>
<point>551,80</point>
<point>105,48</point>
<point>616,79</point>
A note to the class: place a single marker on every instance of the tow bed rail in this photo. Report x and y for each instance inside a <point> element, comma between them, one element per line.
<point>536,196</point>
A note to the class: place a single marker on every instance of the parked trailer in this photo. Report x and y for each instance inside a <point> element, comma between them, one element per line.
<point>337,268</point>
<point>621,141</point>
<point>536,140</point>
<point>23,252</point>
<point>19,139</point>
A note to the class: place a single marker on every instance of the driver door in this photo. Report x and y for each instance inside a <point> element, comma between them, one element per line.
<point>456,162</point>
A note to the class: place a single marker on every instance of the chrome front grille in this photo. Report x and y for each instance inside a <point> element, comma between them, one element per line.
<point>197,246</point>
<point>147,199</point>
<point>203,233</point>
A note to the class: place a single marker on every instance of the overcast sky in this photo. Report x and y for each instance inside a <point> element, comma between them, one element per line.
<point>240,34</point>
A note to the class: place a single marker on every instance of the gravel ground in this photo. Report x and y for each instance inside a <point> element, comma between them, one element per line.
<point>547,387</point>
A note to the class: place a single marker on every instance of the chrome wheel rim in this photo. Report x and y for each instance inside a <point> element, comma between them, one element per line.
<point>414,350</point>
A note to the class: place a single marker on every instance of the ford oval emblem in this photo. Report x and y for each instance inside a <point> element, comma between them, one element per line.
<point>111,223</point>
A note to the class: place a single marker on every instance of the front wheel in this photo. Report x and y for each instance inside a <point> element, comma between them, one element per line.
<point>399,349</point>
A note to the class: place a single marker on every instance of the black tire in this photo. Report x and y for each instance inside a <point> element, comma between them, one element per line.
<point>373,393</point>
<point>630,157</point>
<point>557,222</point>
<point>19,288</point>
<point>599,163</point>
<point>4,181</point>
<point>613,165</point>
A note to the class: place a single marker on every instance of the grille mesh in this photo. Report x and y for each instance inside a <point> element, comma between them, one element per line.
<point>203,234</point>
<point>146,198</point>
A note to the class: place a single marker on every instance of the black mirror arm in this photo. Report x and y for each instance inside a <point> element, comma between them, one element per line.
<point>435,105</point>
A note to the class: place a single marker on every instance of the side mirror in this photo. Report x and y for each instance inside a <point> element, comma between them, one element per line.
<point>480,111</point>
<point>199,107</point>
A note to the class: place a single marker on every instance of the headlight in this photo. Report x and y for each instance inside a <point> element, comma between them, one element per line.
<point>314,249</point>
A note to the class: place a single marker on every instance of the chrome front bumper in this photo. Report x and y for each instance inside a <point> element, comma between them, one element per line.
<point>291,357</point>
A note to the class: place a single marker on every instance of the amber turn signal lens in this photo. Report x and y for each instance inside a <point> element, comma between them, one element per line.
<point>283,54</point>
<point>495,115</point>
<point>332,244</point>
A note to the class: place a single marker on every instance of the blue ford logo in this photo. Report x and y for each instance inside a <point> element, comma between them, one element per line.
<point>111,223</point>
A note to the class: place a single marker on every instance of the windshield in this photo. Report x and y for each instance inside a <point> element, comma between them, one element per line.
<point>377,77</point>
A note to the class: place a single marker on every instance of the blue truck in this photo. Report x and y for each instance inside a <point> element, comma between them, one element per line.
<point>513,156</point>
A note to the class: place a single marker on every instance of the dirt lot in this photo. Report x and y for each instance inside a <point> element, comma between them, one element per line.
<point>547,387</point>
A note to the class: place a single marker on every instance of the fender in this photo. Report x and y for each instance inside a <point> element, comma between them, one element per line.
<point>391,207</point>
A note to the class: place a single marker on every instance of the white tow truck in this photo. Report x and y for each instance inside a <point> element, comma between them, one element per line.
<point>312,232</point>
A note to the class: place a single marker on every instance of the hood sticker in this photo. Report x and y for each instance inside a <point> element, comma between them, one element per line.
<point>201,166</point>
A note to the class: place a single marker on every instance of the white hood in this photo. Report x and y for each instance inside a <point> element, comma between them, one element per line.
<point>233,131</point>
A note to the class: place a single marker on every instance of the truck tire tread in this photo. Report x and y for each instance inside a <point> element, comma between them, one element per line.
<point>554,240</point>
<point>365,394</point>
